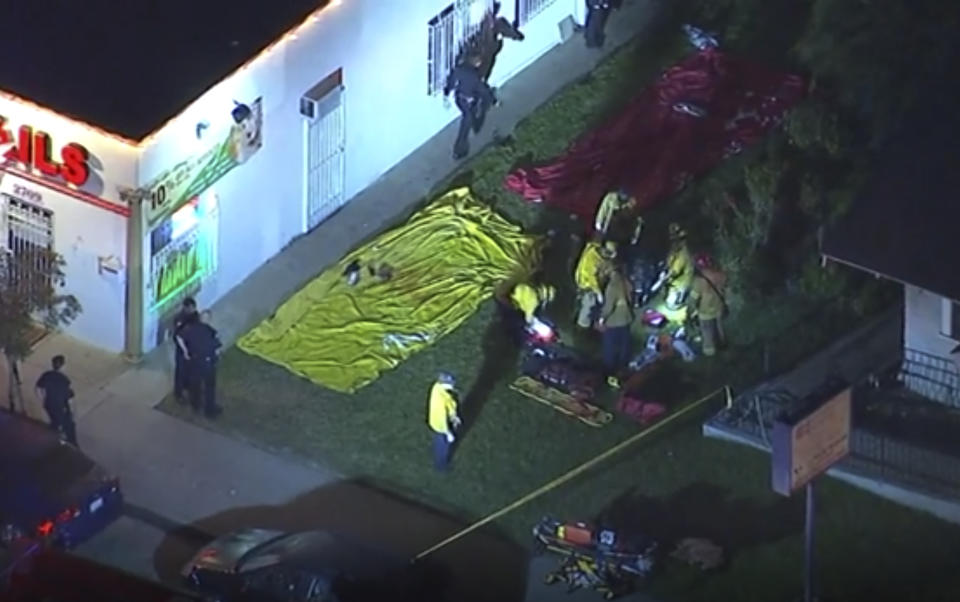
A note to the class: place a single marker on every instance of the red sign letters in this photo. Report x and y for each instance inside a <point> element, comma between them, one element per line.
<point>34,148</point>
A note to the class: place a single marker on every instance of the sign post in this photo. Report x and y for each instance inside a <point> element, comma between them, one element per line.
<point>806,443</point>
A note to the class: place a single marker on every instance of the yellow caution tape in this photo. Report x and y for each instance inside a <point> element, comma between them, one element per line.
<point>574,472</point>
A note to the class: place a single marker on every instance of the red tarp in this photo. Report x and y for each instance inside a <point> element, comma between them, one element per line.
<point>653,150</point>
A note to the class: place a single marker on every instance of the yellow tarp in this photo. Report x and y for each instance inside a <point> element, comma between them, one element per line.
<point>445,261</point>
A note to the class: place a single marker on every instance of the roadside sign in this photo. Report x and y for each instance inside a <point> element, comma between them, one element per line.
<point>808,442</point>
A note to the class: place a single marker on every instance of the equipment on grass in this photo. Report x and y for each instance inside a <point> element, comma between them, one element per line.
<point>580,572</point>
<point>575,405</point>
<point>554,374</point>
<point>632,555</point>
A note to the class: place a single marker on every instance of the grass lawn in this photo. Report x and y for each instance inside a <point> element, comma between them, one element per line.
<point>675,484</point>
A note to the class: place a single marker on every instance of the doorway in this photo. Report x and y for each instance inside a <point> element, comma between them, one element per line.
<point>325,129</point>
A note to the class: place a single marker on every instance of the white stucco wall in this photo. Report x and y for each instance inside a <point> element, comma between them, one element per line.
<point>923,323</point>
<point>381,47</point>
<point>83,231</point>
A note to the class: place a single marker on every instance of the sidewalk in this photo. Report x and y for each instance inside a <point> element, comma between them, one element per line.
<point>186,473</point>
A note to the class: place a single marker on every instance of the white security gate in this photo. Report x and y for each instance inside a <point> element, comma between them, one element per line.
<point>29,229</point>
<point>326,167</point>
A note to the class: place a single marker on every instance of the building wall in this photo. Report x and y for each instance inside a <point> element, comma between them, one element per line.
<point>924,323</point>
<point>929,368</point>
<point>89,225</point>
<point>381,48</point>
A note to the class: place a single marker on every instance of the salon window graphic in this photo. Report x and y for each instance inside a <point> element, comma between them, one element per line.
<point>182,210</point>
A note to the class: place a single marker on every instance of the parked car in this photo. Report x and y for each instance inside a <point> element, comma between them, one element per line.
<point>314,566</point>
<point>51,575</point>
<point>50,491</point>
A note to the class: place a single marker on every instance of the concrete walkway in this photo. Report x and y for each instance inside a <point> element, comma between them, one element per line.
<point>184,473</point>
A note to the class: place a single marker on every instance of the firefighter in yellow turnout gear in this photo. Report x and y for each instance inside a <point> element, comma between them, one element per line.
<point>613,207</point>
<point>680,268</point>
<point>529,299</point>
<point>590,275</point>
<point>707,303</point>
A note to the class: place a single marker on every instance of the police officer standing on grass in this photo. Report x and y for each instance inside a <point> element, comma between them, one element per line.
<point>200,345</point>
<point>597,13</point>
<point>54,389</point>
<point>186,315</point>
<point>473,97</point>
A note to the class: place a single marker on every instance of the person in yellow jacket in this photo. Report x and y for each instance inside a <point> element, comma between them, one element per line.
<point>679,268</point>
<point>443,418</point>
<point>615,320</point>
<point>707,303</point>
<point>613,206</point>
<point>529,300</point>
<point>592,270</point>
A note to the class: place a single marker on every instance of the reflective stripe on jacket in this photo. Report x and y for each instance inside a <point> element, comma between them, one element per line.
<point>443,407</point>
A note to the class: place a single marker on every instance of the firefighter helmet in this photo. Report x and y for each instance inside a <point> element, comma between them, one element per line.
<point>609,250</point>
<point>676,232</point>
<point>703,261</point>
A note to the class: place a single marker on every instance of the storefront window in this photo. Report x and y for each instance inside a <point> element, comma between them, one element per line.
<point>183,249</point>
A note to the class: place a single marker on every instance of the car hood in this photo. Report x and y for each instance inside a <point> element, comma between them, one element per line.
<point>224,553</point>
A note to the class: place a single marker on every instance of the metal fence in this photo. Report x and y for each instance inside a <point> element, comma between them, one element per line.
<point>873,454</point>
<point>932,376</point>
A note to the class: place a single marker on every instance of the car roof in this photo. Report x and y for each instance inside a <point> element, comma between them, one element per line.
<point>323,553</point>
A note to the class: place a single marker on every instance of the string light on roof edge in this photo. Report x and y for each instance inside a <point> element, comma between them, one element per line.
<point>144,142</point>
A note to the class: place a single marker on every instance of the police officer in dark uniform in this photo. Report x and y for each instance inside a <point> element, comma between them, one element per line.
<point>187,314</point>
<point>201,345</point>
<point>54,388</point>
<point>473,97</point>
<point>597,13</point>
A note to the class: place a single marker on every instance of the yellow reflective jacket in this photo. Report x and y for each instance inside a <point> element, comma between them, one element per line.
<point>525,298</point>
<point>680,266</point>
<point>705,299</point>
<point>609,206</point>
<point>443,407</point>
<point>587,274</point>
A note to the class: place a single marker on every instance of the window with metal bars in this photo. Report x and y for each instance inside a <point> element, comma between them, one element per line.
<point>29,243</point>
<point>447,34</point>
<point>528,9</point>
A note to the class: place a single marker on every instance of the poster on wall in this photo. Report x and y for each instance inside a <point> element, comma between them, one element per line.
<point>183,251</point>
<point>185,181</point>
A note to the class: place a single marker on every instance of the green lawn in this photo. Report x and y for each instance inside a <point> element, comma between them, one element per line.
<point>674,484</point>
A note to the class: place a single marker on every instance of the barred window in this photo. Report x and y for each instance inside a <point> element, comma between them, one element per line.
<point>528,9</point>
<point>447,34</point>
<point>29,242</point>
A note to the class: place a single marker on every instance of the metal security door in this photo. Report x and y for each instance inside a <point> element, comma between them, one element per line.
<point>326,140</point>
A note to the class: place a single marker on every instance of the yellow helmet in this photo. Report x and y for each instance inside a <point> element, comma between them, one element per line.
<point>609,249</point>
<point>546,293</point>
<point>676,232</point>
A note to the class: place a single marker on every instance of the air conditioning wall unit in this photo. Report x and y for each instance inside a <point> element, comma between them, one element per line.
<point>323,97</point>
